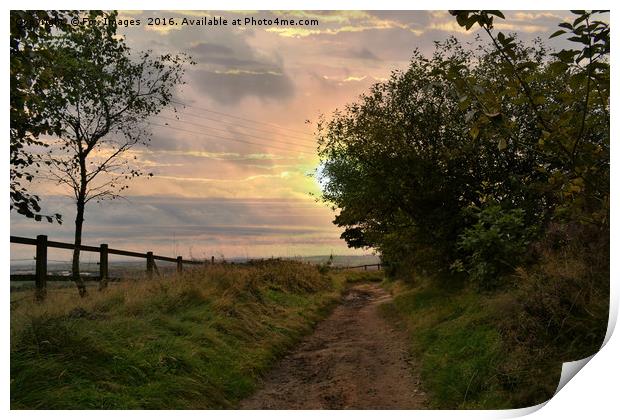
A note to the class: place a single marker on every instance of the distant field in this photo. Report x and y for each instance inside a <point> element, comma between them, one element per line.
<point>132,269</point>
<point>341,260</point>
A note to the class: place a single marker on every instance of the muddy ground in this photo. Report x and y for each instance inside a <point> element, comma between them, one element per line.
<point>353,360</point>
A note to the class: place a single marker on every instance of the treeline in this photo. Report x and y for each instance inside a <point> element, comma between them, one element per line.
<point>488,166</point>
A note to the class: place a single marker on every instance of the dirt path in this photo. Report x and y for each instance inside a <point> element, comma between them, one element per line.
<point>353,360</point>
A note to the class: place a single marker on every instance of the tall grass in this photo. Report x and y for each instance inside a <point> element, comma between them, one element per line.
<point>196,340</point>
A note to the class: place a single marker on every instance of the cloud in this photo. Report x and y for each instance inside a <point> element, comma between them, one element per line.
<point>222,55</point>
<point>298,32</point>
<point>229,70</point>
<point>225,156</point>
<point>229,88</point>
<point>364,54</point>
<point>172,225</point>
<point>206,49</point>
<point>335,23</point>
<point>355,53</point>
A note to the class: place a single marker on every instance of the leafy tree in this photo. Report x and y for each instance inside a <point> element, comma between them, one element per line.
<point>385,158</point>
<point>31,74</point>
<point>99,103</point>
<point>573,122</point>
<point>505,128</point>
<point>404,167</point>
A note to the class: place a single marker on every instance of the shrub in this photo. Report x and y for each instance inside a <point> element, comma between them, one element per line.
<point>495,245</point>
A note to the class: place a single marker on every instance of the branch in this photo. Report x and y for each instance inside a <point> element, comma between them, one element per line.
<point>123,148</point>
<point>526,89</point>
<point>587,98</point>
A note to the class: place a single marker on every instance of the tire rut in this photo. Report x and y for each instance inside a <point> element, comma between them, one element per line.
<point>353,360</point>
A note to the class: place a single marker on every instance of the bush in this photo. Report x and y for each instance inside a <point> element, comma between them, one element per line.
<point>495,245</point>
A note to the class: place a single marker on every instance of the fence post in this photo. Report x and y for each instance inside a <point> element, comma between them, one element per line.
<point>103,266</point>
<point>212,260</point>
<point>179,264</point>
<point>150,262</point>
<point>41,268</point>
<point>365,268</point>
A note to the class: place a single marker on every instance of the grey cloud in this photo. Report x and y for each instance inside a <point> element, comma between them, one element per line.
<point>231,88</point>
<point>222,55</point>
<point>206,49</point>
<point>365,54</point>
<point>362,53</point>
<point>229,69</point>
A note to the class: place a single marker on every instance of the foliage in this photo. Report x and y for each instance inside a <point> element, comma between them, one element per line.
<point>503,123</point>
<point>495,244</point>
<point>573,122</point>
<point>99,102</point>
<point>31,74</point>
<point>398,159</point>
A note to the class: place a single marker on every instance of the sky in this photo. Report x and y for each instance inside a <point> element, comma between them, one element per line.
<point>233,169</point>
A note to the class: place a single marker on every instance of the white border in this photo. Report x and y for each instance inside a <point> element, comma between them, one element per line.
<point>593,393</point>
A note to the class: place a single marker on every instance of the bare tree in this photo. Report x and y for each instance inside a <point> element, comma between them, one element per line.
<point>100,101</point>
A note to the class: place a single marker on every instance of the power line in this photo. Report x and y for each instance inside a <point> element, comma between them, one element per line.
<point>308,148</point>
<point>227,132</point>
<point>310,136</point>
<point>240,118</point>
<point>227,138</point>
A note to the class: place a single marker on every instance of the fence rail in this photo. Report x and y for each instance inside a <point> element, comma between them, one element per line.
<point>42,244</point>
<point>365,266</point>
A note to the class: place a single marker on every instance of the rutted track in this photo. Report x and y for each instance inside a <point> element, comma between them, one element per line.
<point>353,360</point>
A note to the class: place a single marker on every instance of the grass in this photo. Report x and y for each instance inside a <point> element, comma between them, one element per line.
<point>504,348</point>
<point>193,341</point>
<point>458,339</point>
<point>454,340</point>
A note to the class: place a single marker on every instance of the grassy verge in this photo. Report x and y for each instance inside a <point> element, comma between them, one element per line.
<point>504,347</point>
<point>466,362</point>
<point>199,340</point>
<point>456,341</point>
<point>494,350</point>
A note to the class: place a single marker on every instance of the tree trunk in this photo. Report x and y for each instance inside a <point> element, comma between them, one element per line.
<point>75,266</point>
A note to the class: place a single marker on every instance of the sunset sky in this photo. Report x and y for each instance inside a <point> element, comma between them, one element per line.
<point>235,187</point>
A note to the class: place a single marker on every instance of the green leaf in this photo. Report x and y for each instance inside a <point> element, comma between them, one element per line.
<point>558,66</point>
<point>580,19</point>
<point>557,33</point>
<point>502,144</point>
<point>496,13</point>
<point>471,21</point>
<point>474,132</point>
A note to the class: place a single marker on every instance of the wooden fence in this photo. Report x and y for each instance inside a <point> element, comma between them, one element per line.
<point>42,244</point>
<point>365,266</point>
